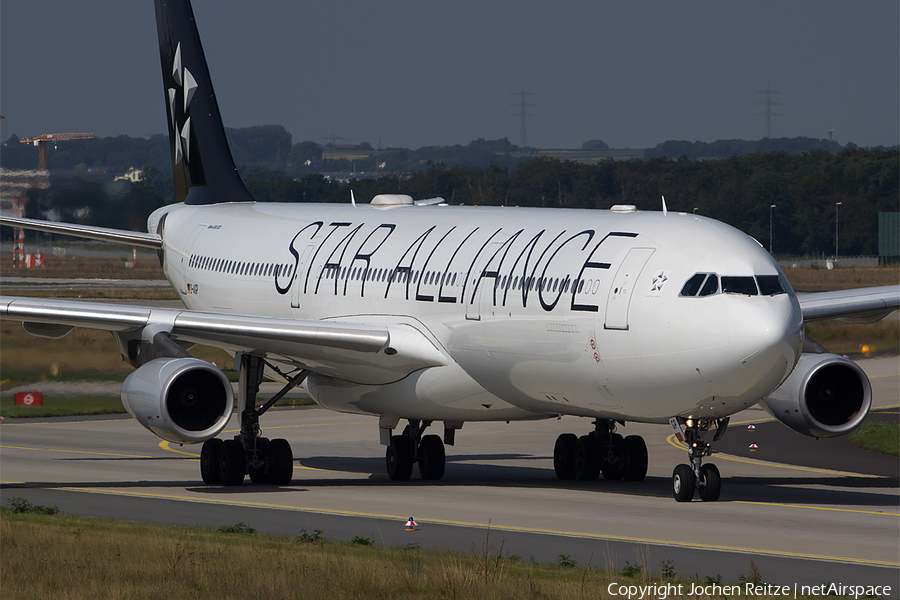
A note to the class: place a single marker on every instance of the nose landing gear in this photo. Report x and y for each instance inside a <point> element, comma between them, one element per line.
<point>686,479</point>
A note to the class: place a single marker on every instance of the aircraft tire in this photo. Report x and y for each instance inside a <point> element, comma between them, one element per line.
<point>564,456</point>
<point>398,458</point>
<point>712,483</point>
<point>210,455</point>
<point>281,462</point>
<point>684,482</point>
<point>232,463</point>
<point>614,470</point>
<point>587,458</point>
<point>635,458</point>
<point>260,475</point>
<point>432,458</point>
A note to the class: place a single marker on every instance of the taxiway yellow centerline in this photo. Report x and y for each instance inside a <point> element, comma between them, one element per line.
<point>490,525</point>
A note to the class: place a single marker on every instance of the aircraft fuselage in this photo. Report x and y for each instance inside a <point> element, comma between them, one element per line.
<point>540,312</point>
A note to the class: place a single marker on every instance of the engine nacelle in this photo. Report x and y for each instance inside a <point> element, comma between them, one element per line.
<point>825,396</point>
<point>182,400</point>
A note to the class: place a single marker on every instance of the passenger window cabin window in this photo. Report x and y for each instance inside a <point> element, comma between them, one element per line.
<point>770,285</point>
<point>745,286</point>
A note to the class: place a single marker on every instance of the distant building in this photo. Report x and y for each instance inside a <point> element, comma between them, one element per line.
<point>343,177</point>
<point>133,175</point>
<point>888,238</point>
<point>13,188</point>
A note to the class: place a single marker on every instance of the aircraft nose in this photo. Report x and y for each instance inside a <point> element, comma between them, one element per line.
<point>767,333</point>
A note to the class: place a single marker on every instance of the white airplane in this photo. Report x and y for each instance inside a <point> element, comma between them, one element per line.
<point>422,312</point>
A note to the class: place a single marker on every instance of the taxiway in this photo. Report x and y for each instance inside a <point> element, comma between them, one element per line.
<point>798,523</point>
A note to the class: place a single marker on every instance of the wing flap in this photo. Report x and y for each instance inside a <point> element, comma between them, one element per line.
<point>862,304</point>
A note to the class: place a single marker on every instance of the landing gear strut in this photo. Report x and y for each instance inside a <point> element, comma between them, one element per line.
<point>411,447</point>
<point>266,461</point>
<point>600,451</point>
<point>686,479</point>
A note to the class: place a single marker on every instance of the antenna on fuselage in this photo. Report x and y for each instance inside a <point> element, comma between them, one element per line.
<point>665,211</point>
<point>352,199</point>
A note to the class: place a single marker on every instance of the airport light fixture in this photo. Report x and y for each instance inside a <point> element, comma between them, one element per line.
<point>771,206</point>
<point>836,204</point>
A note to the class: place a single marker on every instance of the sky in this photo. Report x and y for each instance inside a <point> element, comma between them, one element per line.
<point>412,74</point>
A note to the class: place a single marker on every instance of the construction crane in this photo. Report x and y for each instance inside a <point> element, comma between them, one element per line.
<point>42,140</point>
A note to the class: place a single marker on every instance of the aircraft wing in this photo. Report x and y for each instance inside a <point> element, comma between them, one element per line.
<point>862,305</point>
<point>120,236</point>
<point>362,353</point>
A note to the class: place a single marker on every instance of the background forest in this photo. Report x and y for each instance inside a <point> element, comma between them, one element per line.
<point>804,179</point>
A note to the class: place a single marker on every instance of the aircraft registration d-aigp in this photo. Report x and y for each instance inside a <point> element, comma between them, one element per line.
<point>421,312</point>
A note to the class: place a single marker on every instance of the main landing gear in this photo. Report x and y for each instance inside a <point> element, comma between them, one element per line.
<point>411,447</point>
<point>697,476</point>
<point>267,461</point>
<point>600,451</point>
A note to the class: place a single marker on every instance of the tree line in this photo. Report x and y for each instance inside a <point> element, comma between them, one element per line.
<point>739,191</point>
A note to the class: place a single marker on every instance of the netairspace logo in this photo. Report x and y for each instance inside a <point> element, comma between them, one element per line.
<point>661,592</point>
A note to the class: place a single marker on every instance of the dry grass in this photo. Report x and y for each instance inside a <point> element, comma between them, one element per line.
<point>85,353</point>
<point>86,291</point>
<point>75,557</point>
<point>862,339</point>
<point>69,266</point>
<point>822,280</point>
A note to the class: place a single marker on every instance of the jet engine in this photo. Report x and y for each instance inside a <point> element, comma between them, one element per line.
<point>825,396</point>
<point>182,400</point>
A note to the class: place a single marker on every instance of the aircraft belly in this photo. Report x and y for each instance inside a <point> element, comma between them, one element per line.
<point>438,393</point>
<point>535,364</point>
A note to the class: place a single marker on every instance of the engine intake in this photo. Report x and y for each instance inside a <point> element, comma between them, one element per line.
<point>183,400</point>
<point>825,396</point>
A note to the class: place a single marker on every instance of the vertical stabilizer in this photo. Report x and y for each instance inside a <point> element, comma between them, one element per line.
<point>201,159</point>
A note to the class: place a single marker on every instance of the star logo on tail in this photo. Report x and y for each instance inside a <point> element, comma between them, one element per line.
<point>187,86</point>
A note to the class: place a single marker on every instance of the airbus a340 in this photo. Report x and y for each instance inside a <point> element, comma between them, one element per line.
<point>420,312</point>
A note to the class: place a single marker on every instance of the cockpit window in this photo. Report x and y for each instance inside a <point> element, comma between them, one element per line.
<point>770,285</point>
<point>739,285</point>
<point>693,285</point>
<point>711,286</point>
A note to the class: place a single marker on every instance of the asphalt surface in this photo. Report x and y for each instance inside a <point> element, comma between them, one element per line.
<point>800,523</point>
<point>837,453</point>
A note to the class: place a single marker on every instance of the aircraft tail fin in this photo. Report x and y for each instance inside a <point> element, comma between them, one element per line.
<point>201,159</point>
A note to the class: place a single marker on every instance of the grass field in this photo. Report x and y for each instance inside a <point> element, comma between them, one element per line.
<point>61,406</point>
<point>878,436</point>
<point>47,555</point>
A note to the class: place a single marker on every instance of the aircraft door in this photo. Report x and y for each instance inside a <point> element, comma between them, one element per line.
<point>300,275</point>
<point>623,287</point>
<point>482,279</point>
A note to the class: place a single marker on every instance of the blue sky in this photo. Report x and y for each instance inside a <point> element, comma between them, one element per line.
<point>436,73</point>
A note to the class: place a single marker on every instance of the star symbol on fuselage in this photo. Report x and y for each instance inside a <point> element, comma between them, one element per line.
<point>187,85</point>
<point>658,282</point>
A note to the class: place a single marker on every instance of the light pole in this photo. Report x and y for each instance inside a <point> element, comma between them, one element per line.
<point>836,204</point>
<point>771,206</point>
